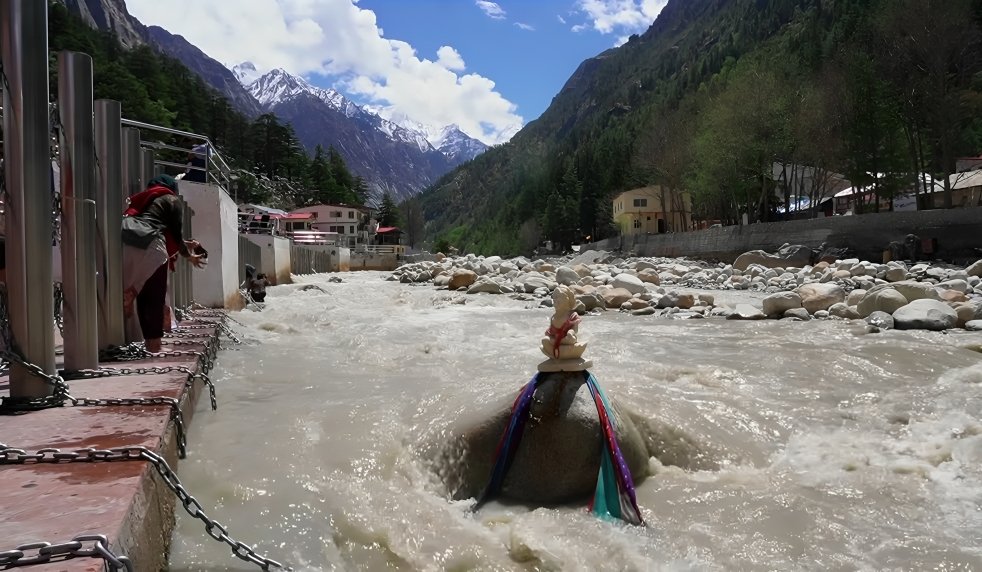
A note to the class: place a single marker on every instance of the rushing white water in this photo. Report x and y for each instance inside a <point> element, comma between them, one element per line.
<point>837,449</point>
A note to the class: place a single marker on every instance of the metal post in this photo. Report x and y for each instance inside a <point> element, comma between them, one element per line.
<point>147,166</point>
<point>132,161</point>
<point>188,277</point>
<point>177,279</point>
<point>24,53</point>
<point>78,235</point>
<point>109,180</point>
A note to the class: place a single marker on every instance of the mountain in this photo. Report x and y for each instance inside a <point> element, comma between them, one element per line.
<point>707,99</point>
<point>457,146</point>
<point>213,73</point>
<point>391,157</point>
<point>112,16</point>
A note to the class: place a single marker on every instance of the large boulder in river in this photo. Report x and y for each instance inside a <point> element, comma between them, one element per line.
<point>462,278</point>
<point>559,454</point>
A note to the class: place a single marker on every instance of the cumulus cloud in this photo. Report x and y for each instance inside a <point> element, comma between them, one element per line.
<point>525,26</point>
<point>492,9</point>
<point>336,38</point>
<point>622,17</point>
<point>450,58</point>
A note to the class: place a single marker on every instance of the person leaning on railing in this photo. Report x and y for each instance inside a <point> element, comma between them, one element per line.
<point>152,239</point>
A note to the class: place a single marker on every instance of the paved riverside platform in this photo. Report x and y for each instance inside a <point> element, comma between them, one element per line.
<point>124,500</point>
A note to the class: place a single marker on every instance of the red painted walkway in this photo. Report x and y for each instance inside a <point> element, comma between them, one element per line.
<point>123,500</point>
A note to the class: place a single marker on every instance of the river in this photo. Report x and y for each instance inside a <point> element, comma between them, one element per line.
<point>836,449</point>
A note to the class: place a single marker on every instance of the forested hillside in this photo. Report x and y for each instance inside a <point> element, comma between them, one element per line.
<point>714,94</point>
<point>157,89</point>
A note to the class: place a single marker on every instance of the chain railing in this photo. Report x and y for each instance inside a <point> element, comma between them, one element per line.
<point>47,552</point>
<point>216,530</point>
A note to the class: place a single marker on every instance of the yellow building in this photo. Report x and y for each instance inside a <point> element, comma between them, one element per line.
<point>646,211</point>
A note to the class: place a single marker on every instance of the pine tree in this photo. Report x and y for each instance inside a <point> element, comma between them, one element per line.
<point>388,212</point>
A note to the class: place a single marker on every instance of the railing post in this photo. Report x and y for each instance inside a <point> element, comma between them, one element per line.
<point>109,181</point>
<point>24,53</point>
<point>78,236</point>
<point>132,161</point>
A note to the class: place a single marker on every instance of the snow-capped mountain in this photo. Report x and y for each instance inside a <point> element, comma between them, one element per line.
<point>278,86</point>
<point>457,146</point>
<point>245,72</point>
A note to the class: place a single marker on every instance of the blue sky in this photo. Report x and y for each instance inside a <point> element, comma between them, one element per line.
<point>487,66</point>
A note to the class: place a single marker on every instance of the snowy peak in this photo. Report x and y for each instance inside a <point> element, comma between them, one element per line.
<point>278,85</point>
<point>456,145</point>
<point>246,73</point>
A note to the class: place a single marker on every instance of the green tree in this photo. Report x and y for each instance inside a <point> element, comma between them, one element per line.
<point>388,212</point>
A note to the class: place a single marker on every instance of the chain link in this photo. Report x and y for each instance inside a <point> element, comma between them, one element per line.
<point>48,552</point>
<point>12,456</point>
<point>59,307</point>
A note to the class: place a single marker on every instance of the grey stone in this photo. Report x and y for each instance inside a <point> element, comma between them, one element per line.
<point>884,300</point>
<point>778,304</point>
<point>880,320</point>
<point>974,326</point>
<point>844,311</point>
<point>925,315</point>
<point>975,269</point>
<point>628,282</point>
<point>567,276</point>
<point>798,314</point>
<point>816,297</point>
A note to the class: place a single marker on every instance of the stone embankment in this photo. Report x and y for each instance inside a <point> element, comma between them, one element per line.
<point>902,295</point>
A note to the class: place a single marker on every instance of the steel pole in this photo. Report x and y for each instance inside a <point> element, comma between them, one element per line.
<point>132,162</point>
<point>109,181</point>
<point>24,53</point>
<point>78,234</point>
<point>146,166</point>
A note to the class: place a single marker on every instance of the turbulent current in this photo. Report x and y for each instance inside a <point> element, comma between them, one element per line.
<point>829,448</point>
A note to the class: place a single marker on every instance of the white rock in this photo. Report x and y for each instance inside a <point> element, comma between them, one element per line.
<point>817,297</point>
<point>746,312</point>
<point>631,283</point>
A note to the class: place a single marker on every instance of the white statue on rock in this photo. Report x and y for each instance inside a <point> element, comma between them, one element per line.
<point>560,343</point>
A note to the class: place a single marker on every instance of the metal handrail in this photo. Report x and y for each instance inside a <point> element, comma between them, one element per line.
<point>212,157</point>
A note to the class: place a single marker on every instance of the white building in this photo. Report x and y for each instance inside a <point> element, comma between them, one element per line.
<point>352,223</point>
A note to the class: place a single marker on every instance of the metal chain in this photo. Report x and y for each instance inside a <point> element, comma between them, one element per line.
<point>59,307</point>
<point>57,132</point>
<point>12,456</point>
<point>48,552</point>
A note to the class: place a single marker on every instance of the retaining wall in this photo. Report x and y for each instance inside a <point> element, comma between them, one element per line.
<point>956,232</point>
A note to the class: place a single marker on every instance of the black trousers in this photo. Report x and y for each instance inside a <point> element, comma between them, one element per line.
<point>150,304</point>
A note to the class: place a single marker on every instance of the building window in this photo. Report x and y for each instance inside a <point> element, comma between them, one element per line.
<point>336,214</point>
<point>637,223</point>
<point>351,214</point>
<point>640,202</point>
<point>337,229</point>
<point>351,230</point>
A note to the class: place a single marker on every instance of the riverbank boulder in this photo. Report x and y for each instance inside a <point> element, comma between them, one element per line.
<point>925,314</point>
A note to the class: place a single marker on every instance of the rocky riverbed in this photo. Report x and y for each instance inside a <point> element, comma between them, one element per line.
<point>758,285</point>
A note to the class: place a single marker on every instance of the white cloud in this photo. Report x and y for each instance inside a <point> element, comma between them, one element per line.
<point>524,26</point>
<point>450,59</point>
<point>561,19</point>
<point>491,9</point>
<point>336,38</point>
<point>623,17</point>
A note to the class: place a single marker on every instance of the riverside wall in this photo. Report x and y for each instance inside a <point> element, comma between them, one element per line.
<point>956,234</point>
